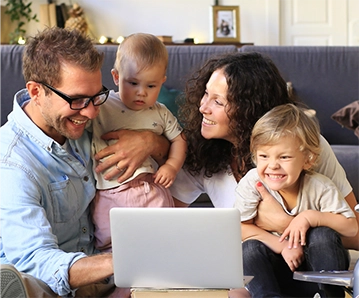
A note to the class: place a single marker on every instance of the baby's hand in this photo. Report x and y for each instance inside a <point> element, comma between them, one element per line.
<point>293,257</point>
<point>296,231</point>
<point>165,175</point>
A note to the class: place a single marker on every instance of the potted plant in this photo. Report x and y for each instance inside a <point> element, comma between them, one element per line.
<point>20,13</point>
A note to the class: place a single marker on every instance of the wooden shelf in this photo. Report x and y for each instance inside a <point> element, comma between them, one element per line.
<point>237,44</point>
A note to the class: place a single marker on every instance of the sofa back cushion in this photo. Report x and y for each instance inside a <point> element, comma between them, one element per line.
<point>182,61</point>
<point>325,78</point>
<point>12,79</point>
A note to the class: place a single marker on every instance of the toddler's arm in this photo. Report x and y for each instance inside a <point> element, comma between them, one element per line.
<point>293,257</point>
<point>166,174</point>
<point>297,229</point>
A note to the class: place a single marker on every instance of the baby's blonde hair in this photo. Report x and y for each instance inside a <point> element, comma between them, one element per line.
<point>146,49</point>
<point>287,120</point>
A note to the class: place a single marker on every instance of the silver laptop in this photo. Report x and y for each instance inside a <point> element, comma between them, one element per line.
<point>177,247</point>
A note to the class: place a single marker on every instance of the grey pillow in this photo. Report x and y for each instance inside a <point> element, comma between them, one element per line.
<point>348,117</point>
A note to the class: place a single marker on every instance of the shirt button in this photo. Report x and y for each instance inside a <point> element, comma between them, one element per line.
<point>86,178</point>
<point>82,249</point>
<point>77,150</point>
<point>84,230</point>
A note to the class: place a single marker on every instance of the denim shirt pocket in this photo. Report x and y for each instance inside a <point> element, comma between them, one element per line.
<point>64,200</point>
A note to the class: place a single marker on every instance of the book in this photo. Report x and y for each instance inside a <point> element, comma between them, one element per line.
<point>59,17</point>
<point>65,11</point>
<point>165,38</point>
<point>48,15</point>
<point>4,25</point>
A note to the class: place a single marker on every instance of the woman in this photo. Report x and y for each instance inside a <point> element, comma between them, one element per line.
<point>223,101</point>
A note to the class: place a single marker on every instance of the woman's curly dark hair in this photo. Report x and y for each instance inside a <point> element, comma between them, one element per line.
<point>254,87</point>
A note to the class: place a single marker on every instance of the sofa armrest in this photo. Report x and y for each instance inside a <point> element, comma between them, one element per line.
<point>348,157</point>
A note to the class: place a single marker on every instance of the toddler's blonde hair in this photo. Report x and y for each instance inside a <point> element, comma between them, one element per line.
<point>287,120</point>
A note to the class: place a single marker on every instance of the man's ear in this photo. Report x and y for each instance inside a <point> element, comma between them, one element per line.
<point>34,90</point>
<point>115,76</point>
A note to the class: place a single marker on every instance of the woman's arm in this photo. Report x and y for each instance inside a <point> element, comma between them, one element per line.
<point>270,214</point>
<point>130,151</point>
<point>251,231</point>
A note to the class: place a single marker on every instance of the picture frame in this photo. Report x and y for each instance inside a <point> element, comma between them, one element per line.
<point>225,24</point>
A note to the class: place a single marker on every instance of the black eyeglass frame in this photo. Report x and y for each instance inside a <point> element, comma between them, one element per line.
<point>86,101</point>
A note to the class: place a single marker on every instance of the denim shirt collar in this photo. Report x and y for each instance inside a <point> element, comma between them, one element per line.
<point>23,121</point>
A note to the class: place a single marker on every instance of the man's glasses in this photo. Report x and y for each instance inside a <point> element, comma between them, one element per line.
<point>79,103</point>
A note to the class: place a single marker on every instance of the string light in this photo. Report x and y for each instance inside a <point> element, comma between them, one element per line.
<point>103,39</point>
<point>120,39</point>
<point>21,40</point>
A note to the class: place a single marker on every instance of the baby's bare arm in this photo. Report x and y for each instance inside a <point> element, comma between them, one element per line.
<point>166,174</point>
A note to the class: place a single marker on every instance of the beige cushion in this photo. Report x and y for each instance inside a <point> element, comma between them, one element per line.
<point>348,117</point>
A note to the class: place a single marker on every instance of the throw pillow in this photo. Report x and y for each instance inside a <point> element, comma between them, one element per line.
<point>348,117</point>
<point>169,99</point>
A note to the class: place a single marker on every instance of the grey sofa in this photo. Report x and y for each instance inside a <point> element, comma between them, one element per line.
<point>182,61</point>
<point>325,78</point>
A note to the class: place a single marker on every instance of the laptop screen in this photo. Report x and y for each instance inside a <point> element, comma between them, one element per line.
<point>177,247</point>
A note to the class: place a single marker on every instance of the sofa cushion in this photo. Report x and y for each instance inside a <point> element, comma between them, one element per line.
<point>182,61</point>
<point>169,99</point>
<point>11,77</point>
<point>348,117</point>
<point>323,77</point>
<point>348,156</point>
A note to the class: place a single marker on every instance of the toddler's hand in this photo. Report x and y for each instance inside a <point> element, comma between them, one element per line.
<point>296,231</point>
<point>165,175</point>
<point>293,257</point>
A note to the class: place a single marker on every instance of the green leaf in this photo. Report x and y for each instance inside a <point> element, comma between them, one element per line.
<point>19,11</point>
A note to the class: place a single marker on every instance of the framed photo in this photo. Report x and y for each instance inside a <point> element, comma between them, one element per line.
<point>225,20</point>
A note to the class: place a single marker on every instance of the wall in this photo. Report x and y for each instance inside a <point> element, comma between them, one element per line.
<point>259,19</point>
<point>181,19</point>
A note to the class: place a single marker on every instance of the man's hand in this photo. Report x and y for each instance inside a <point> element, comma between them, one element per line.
<point>130,151</point>
<point>271,216</point>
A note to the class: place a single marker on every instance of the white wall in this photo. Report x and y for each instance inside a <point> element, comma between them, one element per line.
<point>259,19</point>
<point>181,19</point>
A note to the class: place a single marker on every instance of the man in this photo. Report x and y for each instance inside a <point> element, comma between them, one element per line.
<point>46,172</point>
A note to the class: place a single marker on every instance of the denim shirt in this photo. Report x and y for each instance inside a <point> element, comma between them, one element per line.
<point>45,195</point>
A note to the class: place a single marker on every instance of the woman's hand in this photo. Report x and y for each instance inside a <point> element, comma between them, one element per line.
<point>271,216</point>
<point>130,151</point>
